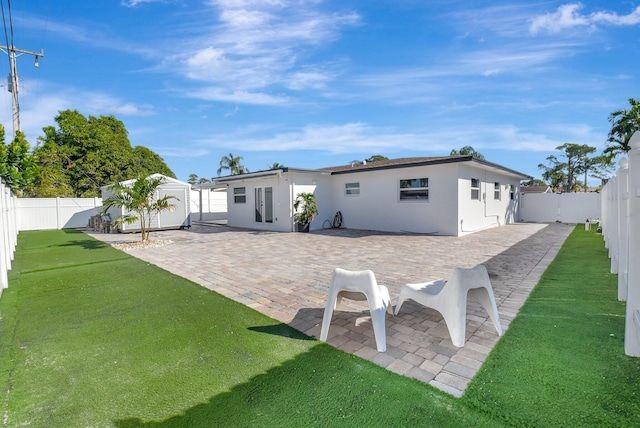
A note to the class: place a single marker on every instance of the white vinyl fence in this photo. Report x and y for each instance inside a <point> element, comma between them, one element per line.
<point>621,230</point>
<point>8,233</point>
<point>213,203</point>
<point>562,207</point>
<point>55,213</point>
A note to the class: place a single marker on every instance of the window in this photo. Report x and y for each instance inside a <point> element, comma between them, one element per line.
<point>475,189</point>
<point>416,189</point>
<point>496,191</point>
<point>239,195</point>
<point>352,189</point>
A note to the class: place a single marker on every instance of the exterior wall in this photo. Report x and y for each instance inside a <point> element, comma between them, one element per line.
<point>448,211</point>
<point>486,211</point>
<point>564,207</point>
<point>378,206</point>
<point>244,214</point>
<point>55,213</point>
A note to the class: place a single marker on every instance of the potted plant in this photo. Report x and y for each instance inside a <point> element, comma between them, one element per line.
<point>304,209</point>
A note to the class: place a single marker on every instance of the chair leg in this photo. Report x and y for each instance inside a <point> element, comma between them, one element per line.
<point>378,321</point>
<point>400,301</point>
<point>488,301</point>
<point>328,313</point>
<point>456,320</point>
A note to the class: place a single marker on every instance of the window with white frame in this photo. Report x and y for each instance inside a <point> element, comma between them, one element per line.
<point>239,195</point>
<point>496,191</point>
<point>352,189</point>
<point>475,189</point>
<point>414,189</point>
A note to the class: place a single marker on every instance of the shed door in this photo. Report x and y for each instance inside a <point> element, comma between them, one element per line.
<point>264,204</point>
<point>178,216</point>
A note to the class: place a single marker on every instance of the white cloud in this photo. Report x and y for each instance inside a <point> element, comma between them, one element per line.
<point>134,3</point>
<point>569,16</point>
<point>359,137</point>
<point>214,93</point>
<point>39,110</point>
<point>248,49</point>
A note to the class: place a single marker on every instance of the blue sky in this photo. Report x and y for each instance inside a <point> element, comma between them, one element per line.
<point>313,83</point>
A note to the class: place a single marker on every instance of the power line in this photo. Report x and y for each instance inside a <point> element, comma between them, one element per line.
<point>13,53</point>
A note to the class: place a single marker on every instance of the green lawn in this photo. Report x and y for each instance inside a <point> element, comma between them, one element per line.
<point>91,337</point>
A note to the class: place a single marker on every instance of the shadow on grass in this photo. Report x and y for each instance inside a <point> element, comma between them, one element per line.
<point>340,389</point>
<point>87,245</point>
<point>281,330</point>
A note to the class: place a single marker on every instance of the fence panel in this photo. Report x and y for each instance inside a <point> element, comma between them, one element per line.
<point>213,203</point>
<point>8,233</point>
<point>562,207</point>
<point>621,230</point>
<point>55,213</point>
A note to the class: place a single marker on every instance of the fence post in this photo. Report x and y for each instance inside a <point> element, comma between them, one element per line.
<point>614,237</point>
<point>632,324</point>
<point>58,213</point>
<point>4,248</point>
<point>623,228</point>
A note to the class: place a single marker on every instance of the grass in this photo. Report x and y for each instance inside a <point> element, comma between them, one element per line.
<point>562,362</point>
<point>92,337</point>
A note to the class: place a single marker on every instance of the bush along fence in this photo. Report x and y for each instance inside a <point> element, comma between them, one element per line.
<point>8,233</point>
<point>621,230</point>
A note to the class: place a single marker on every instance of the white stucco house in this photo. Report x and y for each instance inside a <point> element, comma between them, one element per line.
<point>450,195</point>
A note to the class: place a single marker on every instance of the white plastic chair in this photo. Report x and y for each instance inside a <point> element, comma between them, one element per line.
<point>450,299</point>
<point>358,285</point>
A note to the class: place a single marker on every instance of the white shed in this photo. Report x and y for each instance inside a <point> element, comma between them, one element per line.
<point>178,218</point>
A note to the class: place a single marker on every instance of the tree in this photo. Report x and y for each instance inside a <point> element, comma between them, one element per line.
<point>596,167</point>
<point>148,162</point>
<point>275,165</point>
<point>193,179</point>
<point>138,198</point>
<point>86,153</point>
<point>466,151</point>
<point>232,164</point>
<point>624,124</point>
<point>533,182</point>
<point>18,167</point>
<point>564,174</point>
<point>554,174</point>
<point>376,158</point>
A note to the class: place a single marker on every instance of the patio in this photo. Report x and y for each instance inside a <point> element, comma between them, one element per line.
<point>287,275</point>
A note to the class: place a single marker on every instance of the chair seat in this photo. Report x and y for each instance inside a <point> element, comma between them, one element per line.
<point>450,299</point>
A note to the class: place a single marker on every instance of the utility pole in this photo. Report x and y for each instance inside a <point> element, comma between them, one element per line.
<point>13,53</point>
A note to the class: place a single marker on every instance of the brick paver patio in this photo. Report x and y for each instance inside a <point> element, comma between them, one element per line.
<point>286,276</point>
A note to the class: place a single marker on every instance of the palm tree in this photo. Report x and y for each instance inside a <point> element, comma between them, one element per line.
<point>624,124</point>
<point>275,165</point>
<point>139,202</point>
<point>233,164</point>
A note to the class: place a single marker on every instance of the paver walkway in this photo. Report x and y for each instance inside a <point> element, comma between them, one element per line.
<point>286,276</point>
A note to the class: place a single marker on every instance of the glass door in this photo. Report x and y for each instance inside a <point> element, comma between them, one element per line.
<point>264,205</point>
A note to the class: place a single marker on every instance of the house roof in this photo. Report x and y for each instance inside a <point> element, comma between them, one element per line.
<point>371,166</point>
<point>420,161</point>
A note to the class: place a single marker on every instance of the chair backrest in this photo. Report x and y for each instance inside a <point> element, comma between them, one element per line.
<point>468,278</point>
<point>362,280</point>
